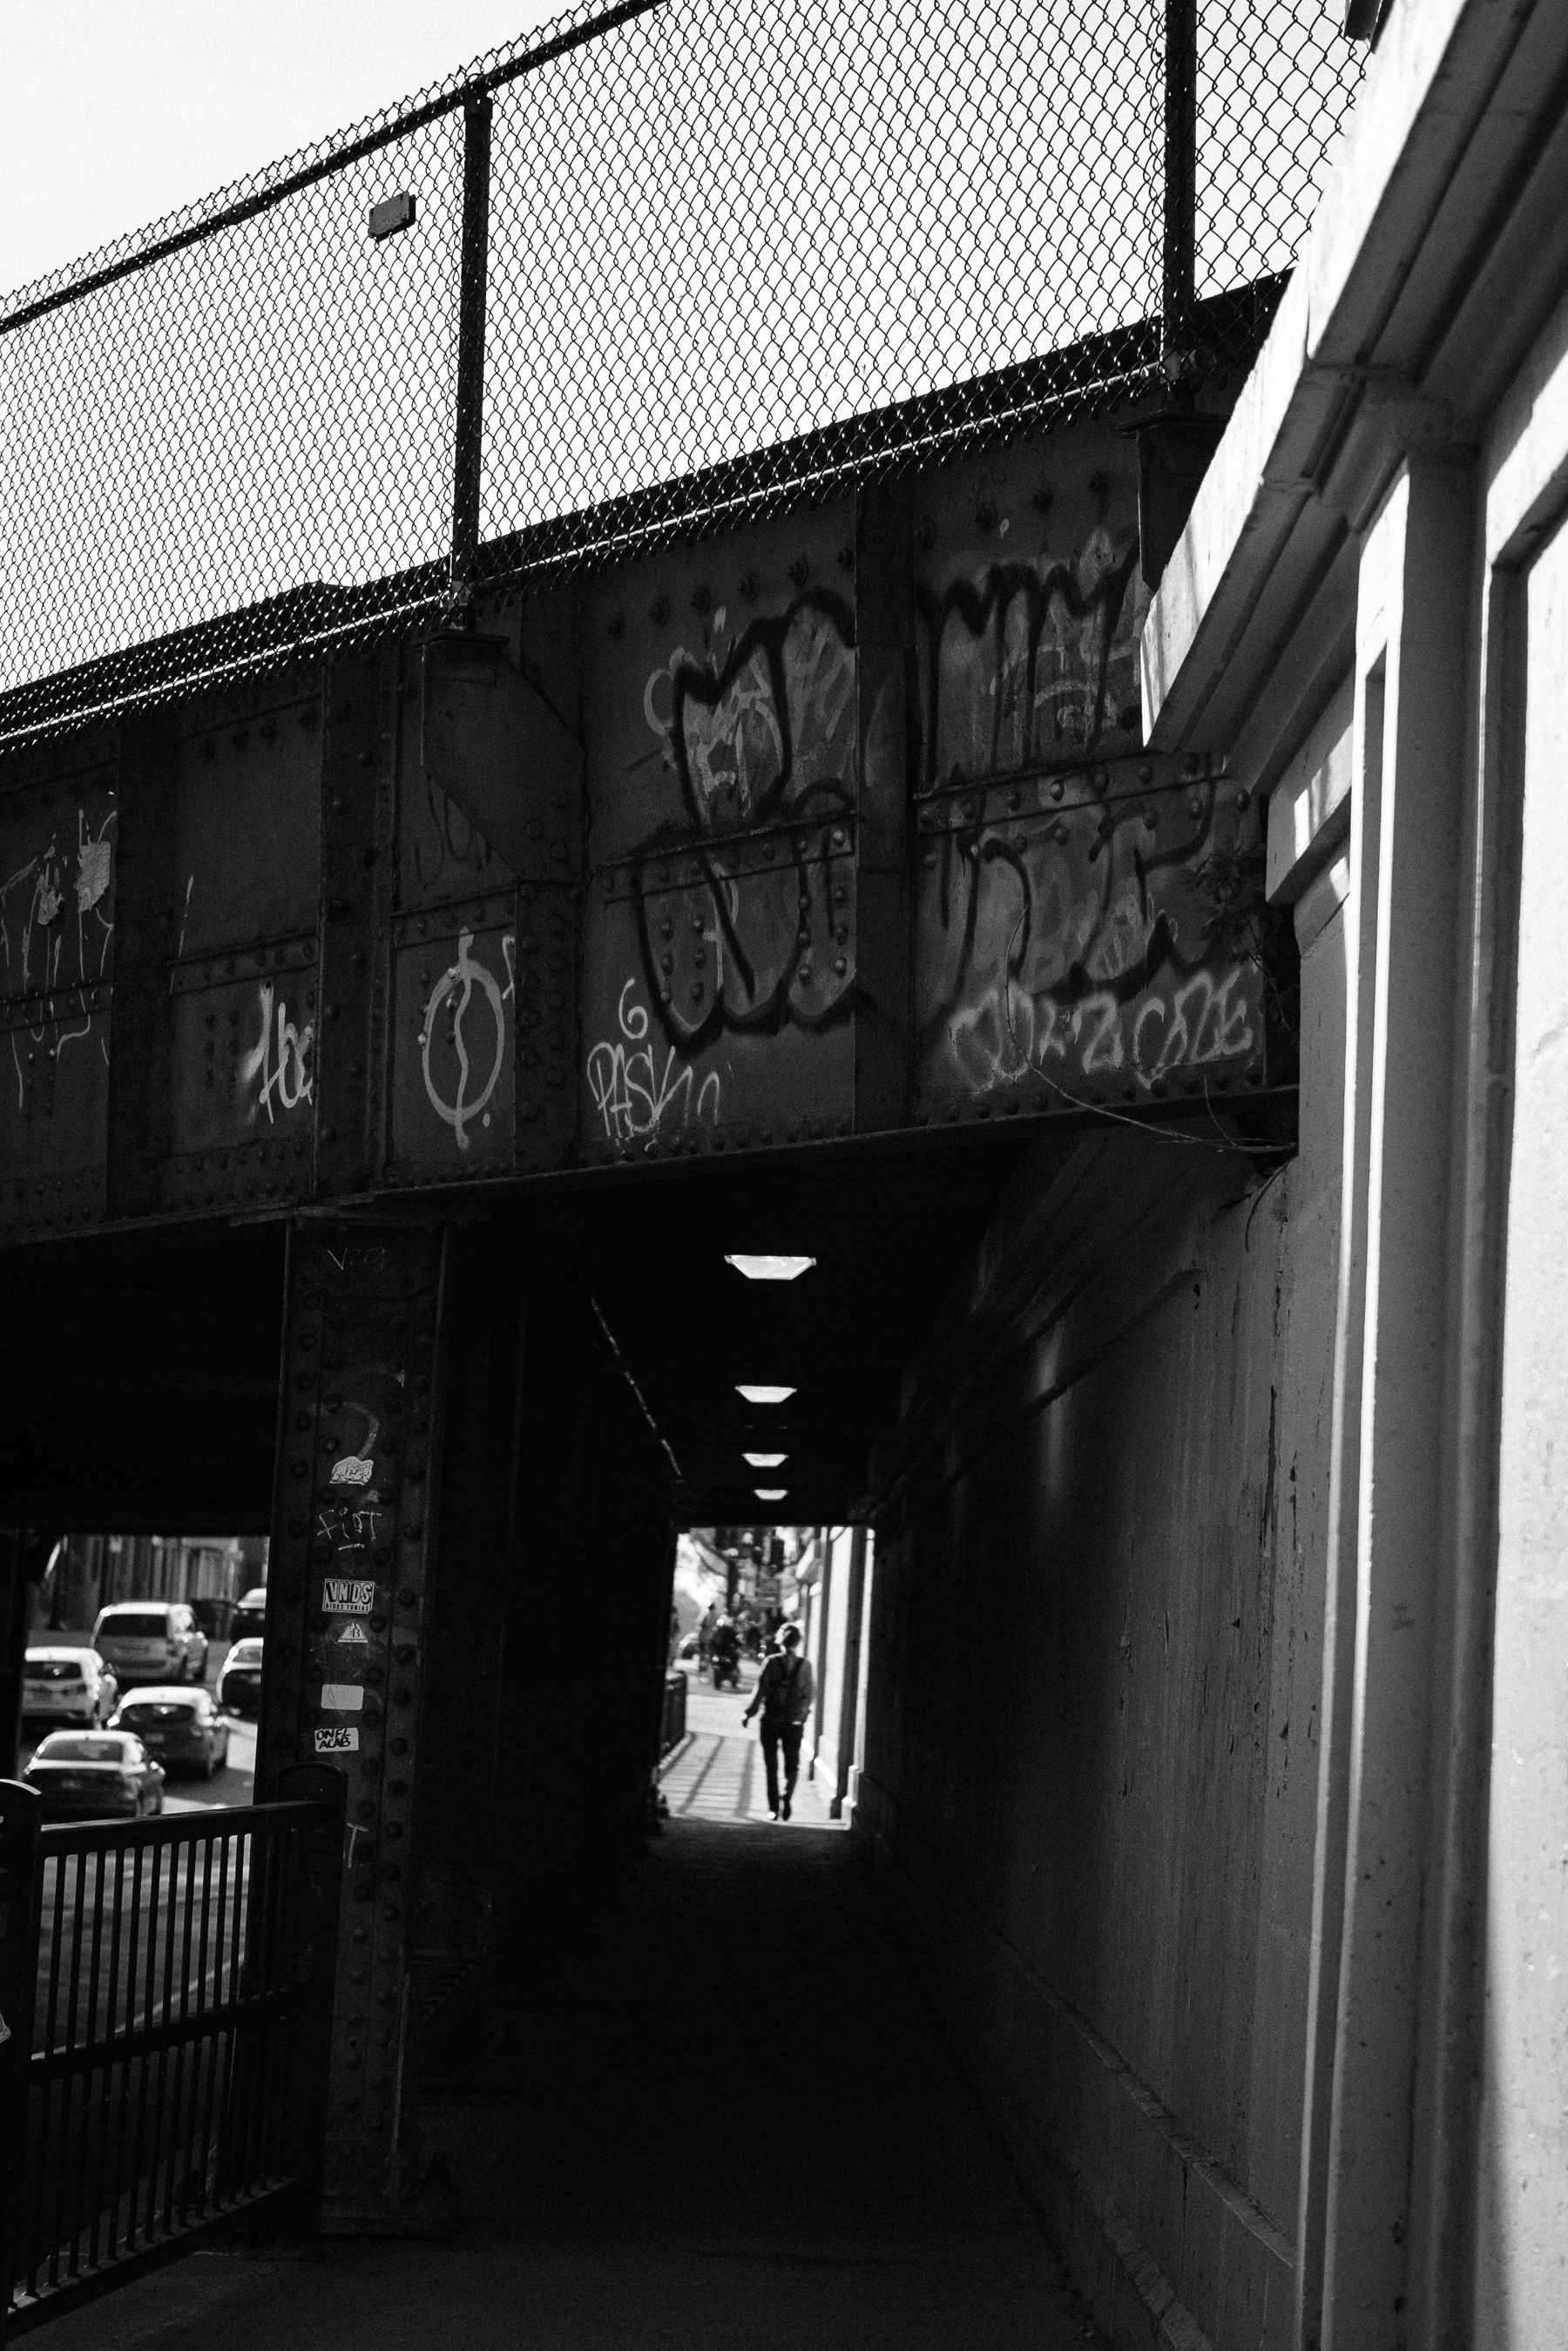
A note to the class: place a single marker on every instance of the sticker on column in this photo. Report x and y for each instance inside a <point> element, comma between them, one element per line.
<point>341,1697</point>
<point>338,1740</point>
<point>353,1470</point>
<point>339,1597</point>
<point>352,1636</point>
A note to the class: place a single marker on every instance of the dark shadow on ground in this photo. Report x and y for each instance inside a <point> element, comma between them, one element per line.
<point>737,2128</point>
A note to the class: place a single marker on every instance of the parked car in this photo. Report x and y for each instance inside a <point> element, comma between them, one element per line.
<point>65,1685</point>
<point>152,1641</point>
<point>239,1684</point>
<point>95,1775</point>
<point>250,1617</point>
<point>182,1728</point>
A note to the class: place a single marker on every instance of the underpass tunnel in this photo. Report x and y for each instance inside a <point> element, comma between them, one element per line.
<point>1024,1398</point>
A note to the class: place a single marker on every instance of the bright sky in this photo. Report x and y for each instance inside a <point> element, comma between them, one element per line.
<point>114,112</point>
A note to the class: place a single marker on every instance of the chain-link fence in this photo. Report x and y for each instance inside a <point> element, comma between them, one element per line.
<point>664,265</point>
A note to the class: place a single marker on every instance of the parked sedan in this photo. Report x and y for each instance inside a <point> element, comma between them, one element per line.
<point>65,1685</point>
<point>95,1775</point>
<point>239,1684</point>
<point>182,1728</point>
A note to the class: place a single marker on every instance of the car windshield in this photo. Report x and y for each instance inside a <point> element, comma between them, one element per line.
<point>133,1627</point>
<point>53,1669</point>
<point>61,1747</point>
<point>246,1653</point>
<point>162,1709</point>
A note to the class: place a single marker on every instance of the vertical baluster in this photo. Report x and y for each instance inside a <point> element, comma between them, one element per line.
<point>179,2143</point>
<point>166,1992</point>
<point>146,1996</point>
<point>112,2027</point>
<point>36,2233</point>
<point>91,2042</point>
<point>133,1963</point>
<point>202,2100</point>
<point>223,2071</point>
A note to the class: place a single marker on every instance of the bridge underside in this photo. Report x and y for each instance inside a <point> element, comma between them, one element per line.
<point>397,1048</point>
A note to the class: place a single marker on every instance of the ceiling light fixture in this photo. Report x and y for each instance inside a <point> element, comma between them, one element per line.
<point>771,1493</point>
<point>771,1268</point>
<point>764,1395</point>
<point>765,1460</point>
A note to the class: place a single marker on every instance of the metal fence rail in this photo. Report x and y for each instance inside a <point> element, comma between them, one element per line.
<point>167,1989</point>
<point>668,262</point>
<point>673,1716</point>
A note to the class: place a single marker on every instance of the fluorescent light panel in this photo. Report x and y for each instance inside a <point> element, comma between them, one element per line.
<point>764,1395</point>
<point>765,1460</point>
<point>771,1493</point>
<point>771,1268</point>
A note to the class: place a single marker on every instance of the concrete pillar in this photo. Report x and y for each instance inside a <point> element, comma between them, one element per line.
<point>355,1504</point>
<point>1388,1544</point>
<point>822,1596</point>
<point>849,1700</point>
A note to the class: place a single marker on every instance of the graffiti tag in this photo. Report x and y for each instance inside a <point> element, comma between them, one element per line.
<point>632,1096</point>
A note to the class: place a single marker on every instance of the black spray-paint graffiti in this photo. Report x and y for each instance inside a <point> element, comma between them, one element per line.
<point>750,939</point>
<point>1082,951</point>
<point>55,939</point>
<point>1029,662</point>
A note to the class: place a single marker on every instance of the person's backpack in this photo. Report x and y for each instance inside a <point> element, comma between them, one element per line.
<point>782,1691</point>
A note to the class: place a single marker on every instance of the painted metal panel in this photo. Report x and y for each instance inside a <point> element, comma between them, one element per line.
<point>721,689</point>
<point>242,1075</point>
<point>718,995</point>
<point>1088,938</point>
<point>454,1079</point>
<point>57,873</point>
<point>1029,606</point>
<point>246,820</point>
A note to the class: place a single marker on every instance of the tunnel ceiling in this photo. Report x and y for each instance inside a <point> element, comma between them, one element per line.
<point>139,1381</point>
<point>890,1232</point>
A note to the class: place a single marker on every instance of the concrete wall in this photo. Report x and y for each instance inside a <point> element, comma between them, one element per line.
<point>1521,2269</point>
<point>1091,1750</point>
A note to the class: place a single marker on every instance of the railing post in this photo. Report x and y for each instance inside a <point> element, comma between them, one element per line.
<point>20,1813</point>
<point>1178,271</point>
<point>320,1896</point>
<point>468,452</point>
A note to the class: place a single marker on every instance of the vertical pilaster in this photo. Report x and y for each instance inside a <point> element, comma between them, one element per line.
<point>358,820</point>
<point>354,1508</point>
<point>1388,1550</point>
<point>884,620</point>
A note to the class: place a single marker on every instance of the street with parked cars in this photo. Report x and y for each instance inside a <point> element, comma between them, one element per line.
<point>143,1716</point>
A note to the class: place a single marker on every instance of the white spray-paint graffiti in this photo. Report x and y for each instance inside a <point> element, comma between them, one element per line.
<point>276,1067</point>
<point>630,1094</point>
<point>1012,1035</point>
<point>456,990</point>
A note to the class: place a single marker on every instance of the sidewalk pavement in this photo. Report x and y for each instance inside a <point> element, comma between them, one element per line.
<point>737,2128</point>
<point>717,1772</point>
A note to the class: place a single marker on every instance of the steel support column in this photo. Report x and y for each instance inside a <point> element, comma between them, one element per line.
<point>354,1511</point>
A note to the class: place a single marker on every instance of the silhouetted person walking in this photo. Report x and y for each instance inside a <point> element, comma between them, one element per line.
<point>785,1693</point>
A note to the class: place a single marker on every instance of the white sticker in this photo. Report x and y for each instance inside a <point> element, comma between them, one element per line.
<point>5,2033</point>
<point>341,1697</point>
<point>353,1470</point>
<point>353,1634</point>
<point>341,1598</point>
<point>339,1740</point>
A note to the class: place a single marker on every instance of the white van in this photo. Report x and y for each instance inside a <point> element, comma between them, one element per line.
<point>150,1641</point>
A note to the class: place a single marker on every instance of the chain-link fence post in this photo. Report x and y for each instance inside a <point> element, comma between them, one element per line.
<point>1178,258</point>
<point>469,435</point>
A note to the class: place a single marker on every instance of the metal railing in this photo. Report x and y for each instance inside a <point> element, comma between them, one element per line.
<point>673,1721</point>
<point>669,263</point>
<point>166,1989</point>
